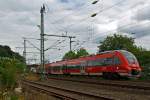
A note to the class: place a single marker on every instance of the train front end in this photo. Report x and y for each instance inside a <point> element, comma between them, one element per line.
<point>131,64</point>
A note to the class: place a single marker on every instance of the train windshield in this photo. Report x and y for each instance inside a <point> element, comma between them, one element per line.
<point>129,56</point>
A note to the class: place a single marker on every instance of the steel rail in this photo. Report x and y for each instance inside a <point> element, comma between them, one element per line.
<point>49,92</point>
<point>41,86</point>
<point>115,84</point>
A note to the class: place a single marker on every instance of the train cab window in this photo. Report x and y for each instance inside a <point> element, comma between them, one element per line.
<point>129,56</point>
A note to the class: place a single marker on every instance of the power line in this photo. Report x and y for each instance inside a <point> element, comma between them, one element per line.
<point>101,11</point>
<point>124,26</point>
<point>119,27</point>
<point>105,9</point>
<point>33,45</point>
<point>84,19</point>
<point>90,16</point>
<point>58,20</point>
<point>79,8</point>
<point>55,44</point>
<point>64,36</point>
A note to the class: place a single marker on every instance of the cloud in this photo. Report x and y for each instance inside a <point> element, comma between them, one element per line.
<point>138,28</point>
<point>142,13</point>
<point>19,5</point>
<point>19,18</point>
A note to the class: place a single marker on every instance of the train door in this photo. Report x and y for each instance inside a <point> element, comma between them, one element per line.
<point>61,71</point>
<point>82,67</point>
<point>64,69</point>
<point>109,62</point>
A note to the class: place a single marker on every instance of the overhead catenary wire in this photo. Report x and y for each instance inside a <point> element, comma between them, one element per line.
<point>101,11</point>
<point>118,28</point>
<point>131,25</point>
<point>33,45</point>
<point>124,26</point>
<point>69,26</point>
<point>62,18</point>
<point>84,19</point>
<point>83,5</point>
<point>66,28</point>
<point>55,44</point>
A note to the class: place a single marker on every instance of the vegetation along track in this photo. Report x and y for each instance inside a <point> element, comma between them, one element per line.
<point>62,93</point>
<point>139,85</point>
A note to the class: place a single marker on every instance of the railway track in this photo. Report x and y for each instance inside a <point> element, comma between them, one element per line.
<point>122,84</point>
<point>65,94</point>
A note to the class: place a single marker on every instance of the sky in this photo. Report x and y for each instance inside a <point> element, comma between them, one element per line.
<point>19,18</point>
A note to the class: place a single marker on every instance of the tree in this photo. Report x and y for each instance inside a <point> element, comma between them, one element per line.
<point>116,42</point>
<point>73,55</point>
<point>82,52</point>
<point>5,51</point>
<point>69,55</point>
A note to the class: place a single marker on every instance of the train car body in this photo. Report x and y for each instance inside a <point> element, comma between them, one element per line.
<point>109,63</point>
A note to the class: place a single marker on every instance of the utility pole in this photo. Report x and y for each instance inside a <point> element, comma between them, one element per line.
<point>42,11</point>
<point>24,51</point>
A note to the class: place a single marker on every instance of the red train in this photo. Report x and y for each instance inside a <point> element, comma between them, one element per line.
<point>108,64</point>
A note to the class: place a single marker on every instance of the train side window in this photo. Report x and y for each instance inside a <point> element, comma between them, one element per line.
<point>109,61</point>
<point>90,63</point>
<point>117,61</point>
<point>97,62</point>
<point>78,66</point>
<point>73,66</point>
<point>49,68</point>
<point>103,62</point>
<point>84,63</point>
<point>56,68</point>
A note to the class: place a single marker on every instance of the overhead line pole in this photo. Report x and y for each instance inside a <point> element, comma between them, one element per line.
<point>24,51</point>
<point>25,47</point>
<point>71,43</point>
<point>42,50</point>
<point>42,11</point>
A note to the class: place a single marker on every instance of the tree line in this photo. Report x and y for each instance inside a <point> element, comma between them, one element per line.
<point>5,51</point>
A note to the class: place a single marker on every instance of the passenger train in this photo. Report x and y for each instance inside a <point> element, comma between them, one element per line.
<point>116,63</point>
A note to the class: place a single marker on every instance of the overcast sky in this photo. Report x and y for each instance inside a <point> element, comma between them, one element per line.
<point>19,18</point>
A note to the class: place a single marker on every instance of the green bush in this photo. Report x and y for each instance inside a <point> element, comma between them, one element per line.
<point>146,72</point>
<point>10,72</point>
